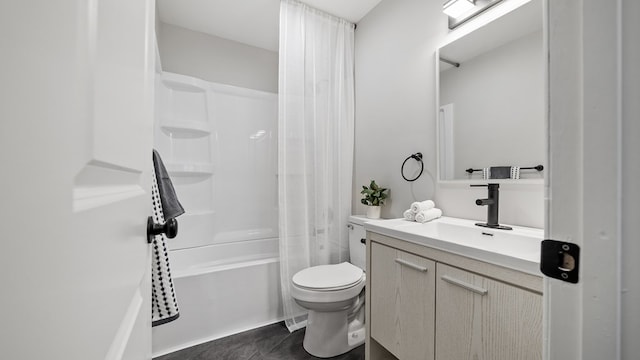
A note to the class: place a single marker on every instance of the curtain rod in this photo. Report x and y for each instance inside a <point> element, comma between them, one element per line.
<point>451,62</point>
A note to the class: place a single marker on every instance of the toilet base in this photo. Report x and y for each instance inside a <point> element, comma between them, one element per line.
<point>329,334</point>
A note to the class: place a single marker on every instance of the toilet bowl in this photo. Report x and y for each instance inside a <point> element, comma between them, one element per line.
<point>334,297</point>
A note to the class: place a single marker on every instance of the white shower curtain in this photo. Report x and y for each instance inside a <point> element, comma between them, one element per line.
<point>315,143</point>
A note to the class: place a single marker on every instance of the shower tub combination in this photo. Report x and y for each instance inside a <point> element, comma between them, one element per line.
<point>219,144</point>
<point>222,290</point>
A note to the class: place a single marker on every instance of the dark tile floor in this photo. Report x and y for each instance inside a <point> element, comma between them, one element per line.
<point>271,342</point>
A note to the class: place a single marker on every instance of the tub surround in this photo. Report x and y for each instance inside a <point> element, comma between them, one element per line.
<point>216,59</point>
<point>212,304</point>
<point>218,142</point>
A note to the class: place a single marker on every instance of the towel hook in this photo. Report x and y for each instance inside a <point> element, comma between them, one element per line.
<point>417,157</point>
<point>169,228</point>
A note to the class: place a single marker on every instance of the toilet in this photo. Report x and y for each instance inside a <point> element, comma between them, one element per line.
<point>334,297</point>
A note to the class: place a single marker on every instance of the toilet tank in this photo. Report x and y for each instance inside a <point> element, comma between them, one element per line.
<point>357,247</point>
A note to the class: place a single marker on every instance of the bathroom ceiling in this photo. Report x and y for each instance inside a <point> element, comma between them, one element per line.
<point>252,22</point>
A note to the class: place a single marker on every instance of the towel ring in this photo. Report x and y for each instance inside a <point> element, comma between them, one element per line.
<point>417,157</point>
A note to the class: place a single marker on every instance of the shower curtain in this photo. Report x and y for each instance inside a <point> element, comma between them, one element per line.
<point>315,143</point>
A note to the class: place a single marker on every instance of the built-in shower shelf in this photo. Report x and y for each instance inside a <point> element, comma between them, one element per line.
<point>185,128</point>
<point>183,83</point>
<point>185,170</point>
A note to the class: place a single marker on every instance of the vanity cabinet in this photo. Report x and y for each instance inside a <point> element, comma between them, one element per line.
<point>403,302</point>
<point>481,318</point>
<point>425,303</point>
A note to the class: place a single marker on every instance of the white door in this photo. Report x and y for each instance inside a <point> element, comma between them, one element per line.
<point>75,158</point>
<point>592,176</point>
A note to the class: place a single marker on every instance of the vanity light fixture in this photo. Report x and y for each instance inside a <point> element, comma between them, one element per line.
<point>459,11</point>
<point>456,8</point>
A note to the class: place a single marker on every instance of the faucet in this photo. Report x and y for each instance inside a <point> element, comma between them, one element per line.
<point>492,207</point>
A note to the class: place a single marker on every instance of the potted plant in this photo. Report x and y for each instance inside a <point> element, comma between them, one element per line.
<point>374,198</point>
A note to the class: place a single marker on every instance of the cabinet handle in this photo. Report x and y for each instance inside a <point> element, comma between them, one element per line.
<point>464,285</point>
<point>411,265</point>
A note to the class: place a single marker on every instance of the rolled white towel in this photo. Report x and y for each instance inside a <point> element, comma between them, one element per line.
<point>418,206</point>
<point>409,215</point>
<point>428,215</point>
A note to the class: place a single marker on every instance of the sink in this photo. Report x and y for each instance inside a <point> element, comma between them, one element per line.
<point>518,248</point>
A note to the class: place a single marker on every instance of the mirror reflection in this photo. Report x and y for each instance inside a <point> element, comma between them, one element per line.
<point>491,100</point>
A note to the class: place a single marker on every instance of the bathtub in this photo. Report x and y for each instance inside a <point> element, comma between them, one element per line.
<point>222,289</point>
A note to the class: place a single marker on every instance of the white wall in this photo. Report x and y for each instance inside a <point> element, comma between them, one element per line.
<point>216,59</point>
<point>395,99</point>
<point>498,107</point>
<point>396,116</point>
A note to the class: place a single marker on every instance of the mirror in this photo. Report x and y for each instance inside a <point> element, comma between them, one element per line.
<point>491,97</point>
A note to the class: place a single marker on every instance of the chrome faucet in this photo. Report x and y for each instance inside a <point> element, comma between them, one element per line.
<point>492,207</point>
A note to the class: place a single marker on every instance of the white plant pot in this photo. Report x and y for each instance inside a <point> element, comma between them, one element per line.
<point>373,212</point>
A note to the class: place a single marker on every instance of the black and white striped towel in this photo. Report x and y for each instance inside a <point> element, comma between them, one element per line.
<point>501,172</point>
<point>163,298</point>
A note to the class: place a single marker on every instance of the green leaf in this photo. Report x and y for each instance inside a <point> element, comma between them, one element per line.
<point>373,195</point>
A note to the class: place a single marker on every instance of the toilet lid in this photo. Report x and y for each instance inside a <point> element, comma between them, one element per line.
<point>328,277</point>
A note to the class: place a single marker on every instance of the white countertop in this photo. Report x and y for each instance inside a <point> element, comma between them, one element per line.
<point>518,249</point>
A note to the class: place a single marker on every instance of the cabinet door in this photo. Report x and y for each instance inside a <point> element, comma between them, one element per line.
<point>402,302</point>
<point>483,319</point>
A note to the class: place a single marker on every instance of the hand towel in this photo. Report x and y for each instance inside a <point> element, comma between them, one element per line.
<point>500,172</point>
<point>515,172</point>
<point>170,204</point>
<point>409,215</point>
<point>486,173</point>
<point>428,215</point>
<point>164,306</point>
<point>418,206</point>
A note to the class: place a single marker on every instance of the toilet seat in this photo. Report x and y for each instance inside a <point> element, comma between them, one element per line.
<point>328,283</point>
<point>328,277</point>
